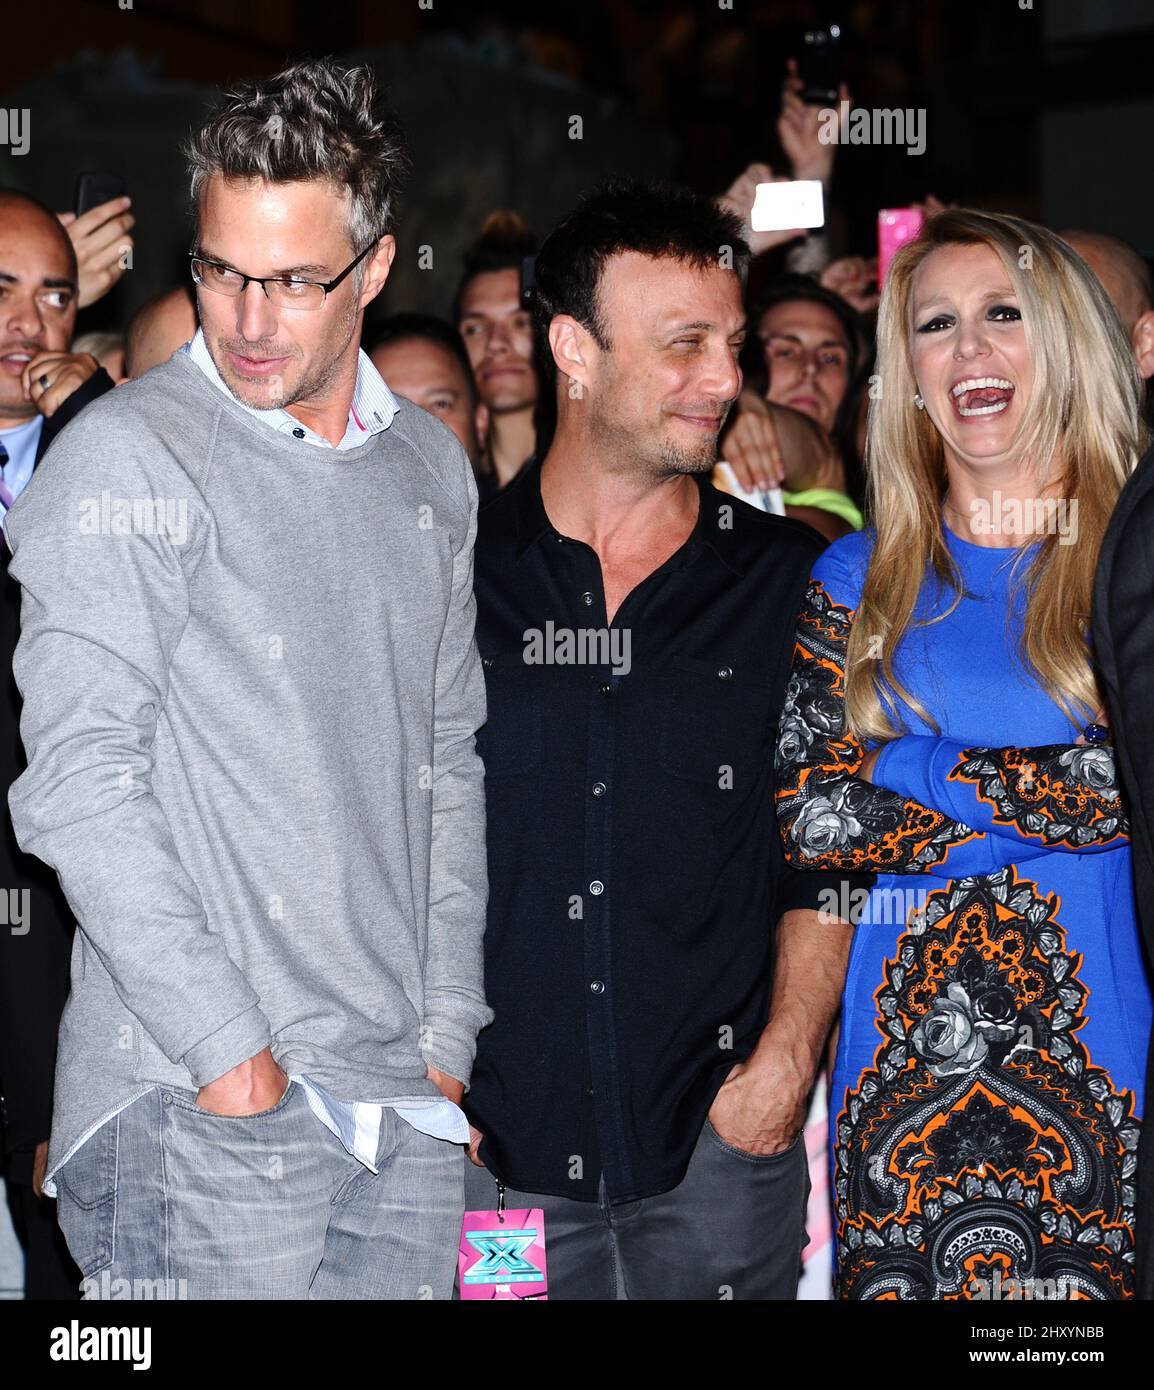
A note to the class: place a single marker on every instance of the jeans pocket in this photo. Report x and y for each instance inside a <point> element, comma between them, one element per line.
<point>754,1158</point>
<point>86,1199</point>
<point>186,1100</point>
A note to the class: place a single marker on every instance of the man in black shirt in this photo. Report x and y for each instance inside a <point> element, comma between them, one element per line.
<point>636,628</point>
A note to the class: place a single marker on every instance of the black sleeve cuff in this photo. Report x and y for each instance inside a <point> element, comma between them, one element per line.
<point>68,409</point>
<point>838,894</point>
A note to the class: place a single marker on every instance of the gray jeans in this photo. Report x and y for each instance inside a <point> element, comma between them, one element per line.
<point>733,1228</point>
<point>169,1200</point>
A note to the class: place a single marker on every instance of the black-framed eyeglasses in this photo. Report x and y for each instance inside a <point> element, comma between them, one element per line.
<point>289,291</point>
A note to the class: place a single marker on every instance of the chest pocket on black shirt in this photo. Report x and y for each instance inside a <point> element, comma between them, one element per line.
<point>509,742</point>
<point>717,726</point>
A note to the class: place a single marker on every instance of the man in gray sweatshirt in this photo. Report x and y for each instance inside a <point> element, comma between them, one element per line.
<point>250,697</point>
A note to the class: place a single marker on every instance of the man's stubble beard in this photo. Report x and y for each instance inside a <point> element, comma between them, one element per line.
<point>675,460</point>
<point>314,382</point>
<point>658,458</point>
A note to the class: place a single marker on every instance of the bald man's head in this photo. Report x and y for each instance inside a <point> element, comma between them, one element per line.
<point>38,295</point>
<point>22,209</point>
<point>1126,278</point>
<point>158,329</point>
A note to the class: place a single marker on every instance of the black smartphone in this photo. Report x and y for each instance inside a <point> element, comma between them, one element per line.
<point>528,281</point>
<point>94,189</point>
<point>820,65</point>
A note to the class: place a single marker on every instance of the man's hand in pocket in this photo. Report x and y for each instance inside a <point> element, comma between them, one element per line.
<point>248,1089</point>
<point>475,1137</point>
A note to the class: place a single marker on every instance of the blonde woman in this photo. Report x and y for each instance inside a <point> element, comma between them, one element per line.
<point>944,728</point>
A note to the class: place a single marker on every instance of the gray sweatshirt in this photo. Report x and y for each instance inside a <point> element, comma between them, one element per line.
<point>250,698</point>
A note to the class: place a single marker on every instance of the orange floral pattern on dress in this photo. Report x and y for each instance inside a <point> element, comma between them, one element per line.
<point>829,818</point>
<point>983,1144</point>
<point>1056,795</point>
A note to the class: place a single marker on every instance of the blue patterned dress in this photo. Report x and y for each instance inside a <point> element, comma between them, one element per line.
<point>983,1108</point>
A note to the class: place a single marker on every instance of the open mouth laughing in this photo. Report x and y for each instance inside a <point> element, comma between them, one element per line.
<point>981,395</point>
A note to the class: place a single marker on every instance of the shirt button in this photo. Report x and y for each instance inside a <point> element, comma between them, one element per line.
<point>587,599</point>
<point>486,662</point>
<point>597,888</point>
<point>597,987</point>
<point>605,689</point>
<point>599,788</point>
<point>167,1097</point>
<point>298,433</point>
<point>724,673</point>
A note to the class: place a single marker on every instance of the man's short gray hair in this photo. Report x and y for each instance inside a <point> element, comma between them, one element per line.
<point>315,120</point>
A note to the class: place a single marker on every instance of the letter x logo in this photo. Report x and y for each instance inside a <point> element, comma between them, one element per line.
<point>502,1257</point>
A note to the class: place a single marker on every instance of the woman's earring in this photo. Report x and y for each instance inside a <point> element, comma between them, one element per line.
<point>921,405</point>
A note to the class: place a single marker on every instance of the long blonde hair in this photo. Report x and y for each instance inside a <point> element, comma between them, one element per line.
<point>1082,425</point>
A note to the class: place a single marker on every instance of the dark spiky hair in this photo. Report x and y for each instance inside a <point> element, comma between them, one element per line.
<point>659,220</point>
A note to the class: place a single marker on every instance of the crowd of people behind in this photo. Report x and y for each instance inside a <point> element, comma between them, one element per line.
<point>843,794</point>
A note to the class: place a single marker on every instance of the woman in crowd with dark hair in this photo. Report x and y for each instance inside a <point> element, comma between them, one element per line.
<point>806,353</point>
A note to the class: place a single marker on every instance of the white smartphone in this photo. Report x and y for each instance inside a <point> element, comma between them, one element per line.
<point>764,499</point>
<point>779,207</point>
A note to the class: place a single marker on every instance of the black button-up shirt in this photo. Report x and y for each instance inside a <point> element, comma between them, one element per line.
<point>636,874</point>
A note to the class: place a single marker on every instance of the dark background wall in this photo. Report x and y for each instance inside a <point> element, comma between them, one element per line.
<point>1047,110</point>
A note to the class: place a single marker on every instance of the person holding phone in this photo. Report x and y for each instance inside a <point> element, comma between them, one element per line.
<point>944,727</point>
<point>99,232</point>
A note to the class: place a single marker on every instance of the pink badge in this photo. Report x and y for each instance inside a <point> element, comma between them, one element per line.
<point>502,1254</point>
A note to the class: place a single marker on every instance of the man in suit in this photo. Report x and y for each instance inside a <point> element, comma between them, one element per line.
<point>42,387</point>
<point>1124,646</point>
